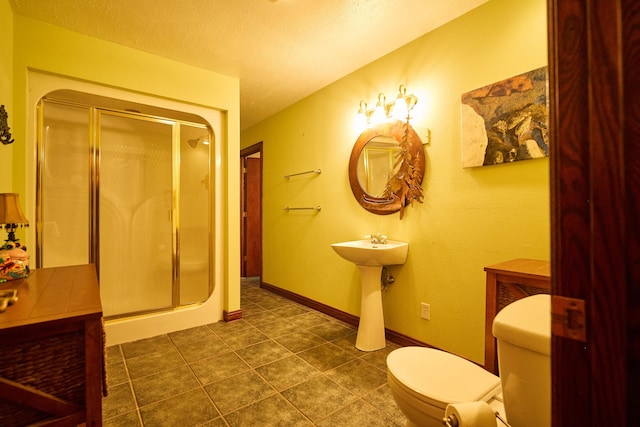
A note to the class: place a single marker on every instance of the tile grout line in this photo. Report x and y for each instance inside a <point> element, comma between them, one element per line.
<point>200,384</point>
<point>254,298</point>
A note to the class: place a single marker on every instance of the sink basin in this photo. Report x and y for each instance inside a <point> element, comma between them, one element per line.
<point>363,252</point>
<point>370,258</point>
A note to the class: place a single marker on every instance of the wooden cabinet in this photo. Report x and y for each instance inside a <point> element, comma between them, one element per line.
<point>51,349</point>
<point>507,282</point>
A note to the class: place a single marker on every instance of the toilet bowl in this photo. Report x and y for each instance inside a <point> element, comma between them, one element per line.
<point>423,381</point>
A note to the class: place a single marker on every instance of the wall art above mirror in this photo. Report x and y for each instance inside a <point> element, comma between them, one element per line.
<point>386,168</point>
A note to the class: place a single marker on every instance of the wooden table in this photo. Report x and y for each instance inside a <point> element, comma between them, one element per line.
<point>507,282</point>
<point>51,349</point>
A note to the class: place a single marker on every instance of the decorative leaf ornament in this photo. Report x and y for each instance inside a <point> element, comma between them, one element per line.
<point>405,184</point>
<point>5,135</point>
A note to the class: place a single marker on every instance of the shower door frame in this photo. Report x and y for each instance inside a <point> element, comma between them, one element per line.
<point>96,114</point>
<point>94,194</point>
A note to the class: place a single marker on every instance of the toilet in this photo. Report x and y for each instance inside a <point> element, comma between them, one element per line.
<point>423,381</point>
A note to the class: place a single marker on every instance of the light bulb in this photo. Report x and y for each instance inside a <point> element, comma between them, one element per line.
<point>379,114</point>
<point>361,117</point>
<point>400,106</point>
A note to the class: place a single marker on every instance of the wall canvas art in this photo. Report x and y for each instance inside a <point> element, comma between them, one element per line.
<point>506,121</point>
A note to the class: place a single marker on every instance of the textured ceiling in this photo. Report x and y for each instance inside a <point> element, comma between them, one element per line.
<point>281,50</point>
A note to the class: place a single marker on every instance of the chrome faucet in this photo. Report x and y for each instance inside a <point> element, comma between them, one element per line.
<point>377,238</point>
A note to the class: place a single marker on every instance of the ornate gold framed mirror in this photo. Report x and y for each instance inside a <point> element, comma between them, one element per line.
<point>386,168</point>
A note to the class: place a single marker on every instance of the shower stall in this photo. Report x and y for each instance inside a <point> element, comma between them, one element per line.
<point>126,187</point>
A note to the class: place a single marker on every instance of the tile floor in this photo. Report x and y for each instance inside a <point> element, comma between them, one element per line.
<point>282,364</point>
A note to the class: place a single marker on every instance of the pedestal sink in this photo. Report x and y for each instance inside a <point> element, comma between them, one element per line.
<point>370,258</point>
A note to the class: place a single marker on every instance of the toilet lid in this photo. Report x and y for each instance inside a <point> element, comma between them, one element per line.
<point>440,377</point>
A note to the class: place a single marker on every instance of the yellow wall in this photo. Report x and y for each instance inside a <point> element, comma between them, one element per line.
<point>470,218</point>
<point>6,93</point>
<point>49,49</point>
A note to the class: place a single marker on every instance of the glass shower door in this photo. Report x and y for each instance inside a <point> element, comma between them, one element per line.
<point>135,213</point>
<point>193,230</point>
<point>65,197</point>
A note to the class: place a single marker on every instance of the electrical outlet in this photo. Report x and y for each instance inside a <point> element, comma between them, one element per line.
<point>425,311</point>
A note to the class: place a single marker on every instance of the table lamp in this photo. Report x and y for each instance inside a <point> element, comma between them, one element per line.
<point>11,217</point>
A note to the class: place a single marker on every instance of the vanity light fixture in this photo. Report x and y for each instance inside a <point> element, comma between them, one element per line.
<point>404,104</point>
<point>380,112</point>
<point>411,100</point>
<point>399,109</point>
<point>362,118</point>
<point>400,106</point>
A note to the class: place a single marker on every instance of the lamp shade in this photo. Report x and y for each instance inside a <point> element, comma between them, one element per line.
<point>10,210</point>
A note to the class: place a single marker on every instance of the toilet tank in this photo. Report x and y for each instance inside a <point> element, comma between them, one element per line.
<point>523,332</point>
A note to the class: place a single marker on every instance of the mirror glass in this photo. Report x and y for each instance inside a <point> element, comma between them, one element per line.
<point>375,164</point>
<point>386,167</point>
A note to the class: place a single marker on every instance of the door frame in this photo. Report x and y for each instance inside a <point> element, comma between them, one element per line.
<point>244,153</point>
<point>595,193</point>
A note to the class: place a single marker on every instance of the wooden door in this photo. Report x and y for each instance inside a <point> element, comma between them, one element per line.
<point>594,58</point>
<point>251,211</point>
